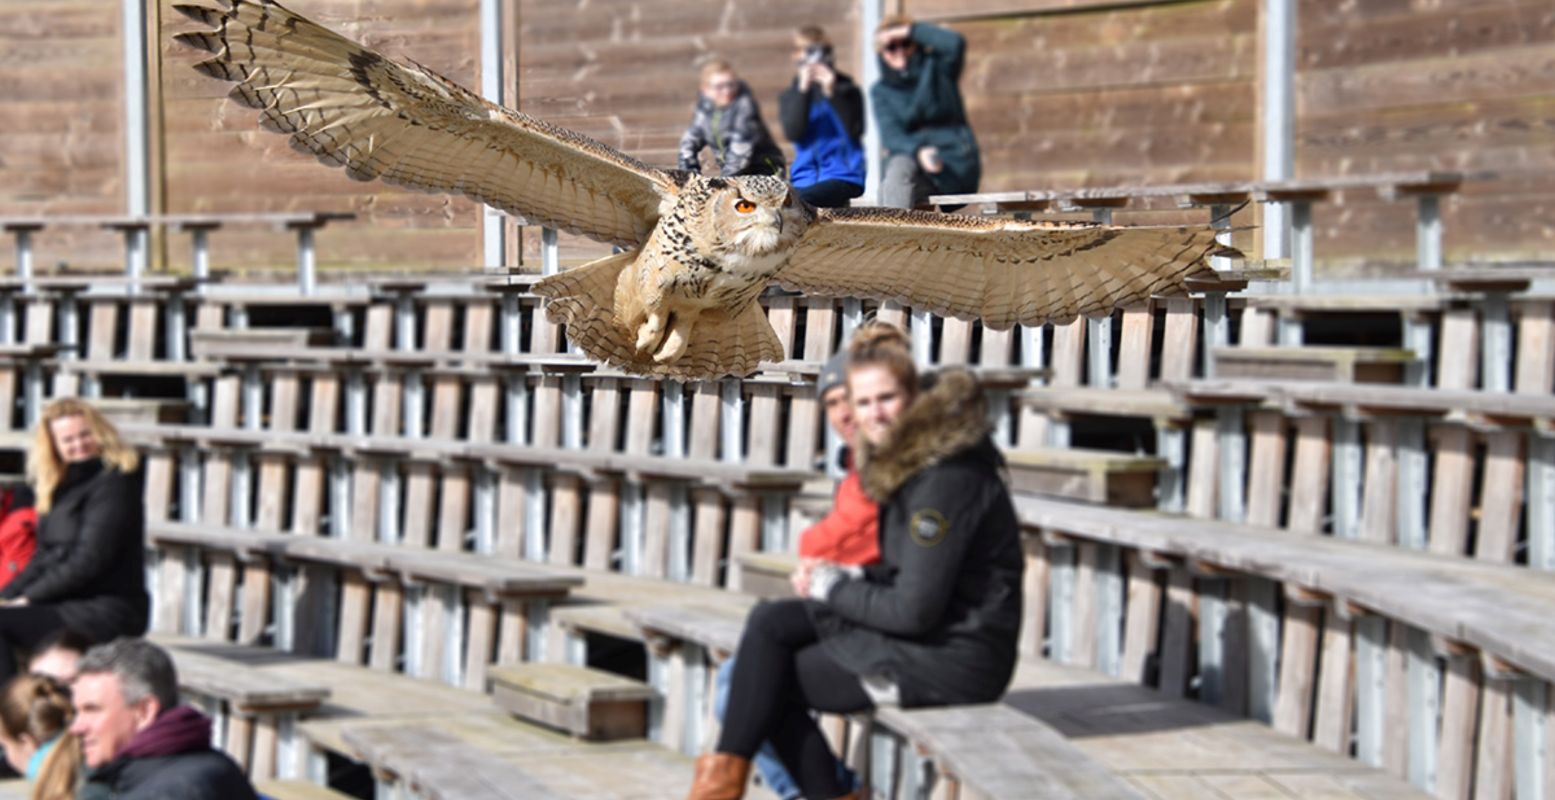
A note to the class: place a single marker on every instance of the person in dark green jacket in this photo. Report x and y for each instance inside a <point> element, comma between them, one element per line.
<point>929,147</point>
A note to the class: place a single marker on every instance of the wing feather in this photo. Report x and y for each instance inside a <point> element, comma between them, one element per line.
<point>406,125</point>
<point>1001,271</point>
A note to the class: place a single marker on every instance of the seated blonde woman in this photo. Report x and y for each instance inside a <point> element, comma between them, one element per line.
<point>88,573</point>
<point>35,716</point>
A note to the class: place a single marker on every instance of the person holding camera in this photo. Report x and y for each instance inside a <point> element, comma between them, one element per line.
<point>928,143</point>
<point>822,113</point>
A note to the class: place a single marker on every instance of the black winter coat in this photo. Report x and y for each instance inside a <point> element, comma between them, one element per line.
<point>940,614</point>
<point>196,775</point>
<point>90,562</point>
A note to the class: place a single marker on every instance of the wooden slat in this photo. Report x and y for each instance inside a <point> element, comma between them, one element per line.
<point>1501,498</point>
<point>1494,757</point>
<point>1336,686</point>
<point>1203,465</point>
<point>1536,349</point>
<point>1177,636</point>
<point>1452,488</point>
<point>1141,624</point>
<point>1034,589</point>
<point>1460,714</point>
<point>1069,353</point>
<point>1309,484</point>
<point>1298,670</point>
<point>1266,473</point>
<point>1134,350</point>
<point>1180,340</point>
<point>1379,505</point>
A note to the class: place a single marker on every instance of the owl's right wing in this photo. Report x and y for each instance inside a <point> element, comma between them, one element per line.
<point>353,108</point>
<point>1001,271</point>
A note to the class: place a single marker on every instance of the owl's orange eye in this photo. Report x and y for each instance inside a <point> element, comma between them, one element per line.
<point>744,206</point>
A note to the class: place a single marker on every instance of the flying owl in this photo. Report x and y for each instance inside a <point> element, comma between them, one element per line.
<point>680,300</point>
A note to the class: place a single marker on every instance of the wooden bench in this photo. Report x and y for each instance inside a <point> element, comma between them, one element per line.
<point>1428,636</point>
<point>587,703</point>
<point>1347,364</point>
<point>1097,476</point>
<point>252,711</point>
<point>994,751</point>
<point>297,790</point>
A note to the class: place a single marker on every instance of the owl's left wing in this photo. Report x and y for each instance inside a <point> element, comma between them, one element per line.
<point>1002,271</point>
<point>352,107</point>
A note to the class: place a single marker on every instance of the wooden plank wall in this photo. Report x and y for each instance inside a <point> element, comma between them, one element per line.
<point>218,160</point>
<point>1458,85</point>
<point>61,121</point>
<point>1160,93</point>
<point>628,76</point>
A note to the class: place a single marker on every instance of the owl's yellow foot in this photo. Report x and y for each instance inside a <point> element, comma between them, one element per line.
<point>651,333</point>
<point>674,344</point>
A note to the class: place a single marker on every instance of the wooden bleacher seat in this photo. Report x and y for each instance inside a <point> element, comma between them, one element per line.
<point>298,790</point>
<point>995,751</point>
<point>250,708</point>
<point>1344,364</point>
<point>1096,476</point>
<point>587,703</point>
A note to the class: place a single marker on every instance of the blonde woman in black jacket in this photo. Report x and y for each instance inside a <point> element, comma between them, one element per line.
<point>935,622</point>
<point>88,573</point>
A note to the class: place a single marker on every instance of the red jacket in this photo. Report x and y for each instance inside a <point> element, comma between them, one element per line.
<point>850,533</point>
<point>18,537</point>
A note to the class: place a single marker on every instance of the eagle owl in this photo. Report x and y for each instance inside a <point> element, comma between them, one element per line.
<point>680,300</point>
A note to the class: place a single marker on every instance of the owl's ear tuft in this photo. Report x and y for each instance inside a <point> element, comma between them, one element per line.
<point>717,183</point>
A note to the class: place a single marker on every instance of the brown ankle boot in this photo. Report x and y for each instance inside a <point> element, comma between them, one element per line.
<point>720,776</point>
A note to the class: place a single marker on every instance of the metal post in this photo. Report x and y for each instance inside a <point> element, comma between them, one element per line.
<point>1412,484</point>
<point>1371,689</point>
<point>869,72</point>
<point>1098,362</point>
<point>1217,329</point>
<point>1109,608</point>
<point>493,222</point>
<point>307,265</point>
<point>1214,614</point>
<point>136,245</point>
<point>1496,358</point>
<point>23,254</point>
<point>550,252</point>
<point>1541,501</point>
<point>1301,245</point>
<point>202,257</point>
<point>1061,601</point>
<point>1263,647</point>
<point>137,125</point>
<point>485,511</point>
<point>535,508</point>
<point>1425,690</point>
<point>922,337</point>
<point>1530,736</point>
<point>1171,443</point>
<point>732,428</point>
<point>1428,232</point>
<point>1346,480</point>
<point>1278,115</point>
<point>1231,431</point>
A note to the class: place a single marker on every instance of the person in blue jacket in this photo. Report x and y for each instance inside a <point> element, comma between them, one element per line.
<point>929,147</point>
<point>822,113</point>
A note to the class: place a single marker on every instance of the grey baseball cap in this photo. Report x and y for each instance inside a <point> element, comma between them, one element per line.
<point>834,374</point>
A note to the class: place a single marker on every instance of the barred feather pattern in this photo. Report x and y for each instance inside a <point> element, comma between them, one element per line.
<point>403,123</point>
<point>1001,271</point>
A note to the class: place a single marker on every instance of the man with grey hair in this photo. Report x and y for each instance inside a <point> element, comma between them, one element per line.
<point>137,741</point>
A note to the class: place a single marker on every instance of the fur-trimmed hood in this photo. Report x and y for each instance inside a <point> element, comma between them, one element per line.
<point>949,415</point>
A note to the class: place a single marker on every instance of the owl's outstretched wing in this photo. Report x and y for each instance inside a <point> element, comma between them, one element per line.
<point>1002,271</point>
<point>404,123</point>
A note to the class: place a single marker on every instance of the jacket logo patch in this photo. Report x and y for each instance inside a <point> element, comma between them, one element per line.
<point>928,527</point>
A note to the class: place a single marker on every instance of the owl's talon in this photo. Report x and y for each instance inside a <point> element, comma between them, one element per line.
<point>674,345</point>
<point>650,333</point>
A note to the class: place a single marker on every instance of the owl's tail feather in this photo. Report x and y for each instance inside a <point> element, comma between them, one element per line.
<point>594,299</point>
